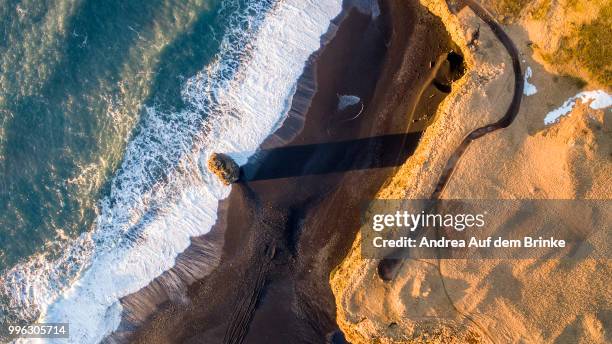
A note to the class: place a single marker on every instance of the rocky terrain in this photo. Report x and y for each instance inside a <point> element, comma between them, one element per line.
<point>470,301</point>
<point>569,37</point>
<point>224,167</point>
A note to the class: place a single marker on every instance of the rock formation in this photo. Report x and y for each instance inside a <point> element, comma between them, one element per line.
<point>224,167</point>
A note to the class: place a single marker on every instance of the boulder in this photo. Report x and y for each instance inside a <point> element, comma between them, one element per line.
<point>224,167</point>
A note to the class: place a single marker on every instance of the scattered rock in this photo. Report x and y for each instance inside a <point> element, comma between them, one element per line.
<point>224,167</point>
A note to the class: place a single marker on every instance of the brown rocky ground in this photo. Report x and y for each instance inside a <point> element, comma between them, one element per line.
<point>500,301</point>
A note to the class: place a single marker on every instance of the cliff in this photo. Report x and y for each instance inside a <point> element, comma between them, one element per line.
<point>459,301</point>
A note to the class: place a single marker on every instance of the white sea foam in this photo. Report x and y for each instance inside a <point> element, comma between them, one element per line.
<point>162,195</point>
<point>529,89</point>
<point>597,99</point>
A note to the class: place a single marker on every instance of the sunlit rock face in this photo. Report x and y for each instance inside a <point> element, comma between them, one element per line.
<point>224,167</point>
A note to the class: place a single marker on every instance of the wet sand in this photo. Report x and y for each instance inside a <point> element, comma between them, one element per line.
<point>285,230</point>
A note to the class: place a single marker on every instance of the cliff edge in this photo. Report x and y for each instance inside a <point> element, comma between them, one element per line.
<point>568,157</point>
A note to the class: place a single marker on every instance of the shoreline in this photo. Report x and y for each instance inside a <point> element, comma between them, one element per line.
<point>203,255</point>
<point>285,235</point>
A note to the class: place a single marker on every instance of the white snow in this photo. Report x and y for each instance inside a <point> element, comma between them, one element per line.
<point>345,101</point>
<point>597,99</point>
<point>529,89</point>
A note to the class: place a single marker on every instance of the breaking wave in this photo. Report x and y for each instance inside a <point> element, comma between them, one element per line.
<point>163,195</point>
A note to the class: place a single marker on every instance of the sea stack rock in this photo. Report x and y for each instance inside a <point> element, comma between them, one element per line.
<point>224,167</point>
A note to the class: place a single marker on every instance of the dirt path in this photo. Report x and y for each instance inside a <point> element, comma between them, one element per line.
<point>388,267</point>
<point>511,112</point>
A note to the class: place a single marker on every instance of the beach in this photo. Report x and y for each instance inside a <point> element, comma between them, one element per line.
<point>285,228</point>
<point>306,171</point>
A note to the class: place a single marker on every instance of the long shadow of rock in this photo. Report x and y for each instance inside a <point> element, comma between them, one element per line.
<point>331,157</point>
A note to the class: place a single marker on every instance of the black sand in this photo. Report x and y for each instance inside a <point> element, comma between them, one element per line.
<point>288,223</point>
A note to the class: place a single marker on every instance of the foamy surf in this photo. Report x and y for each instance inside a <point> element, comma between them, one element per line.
<point>163,195</point>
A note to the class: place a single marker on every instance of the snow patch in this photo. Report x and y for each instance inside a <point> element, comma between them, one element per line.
<point>597,99</point>
<point>345,100</point>
<point>529,89</point>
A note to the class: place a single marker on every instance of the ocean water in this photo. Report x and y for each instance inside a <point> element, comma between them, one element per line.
<point>108,112</point>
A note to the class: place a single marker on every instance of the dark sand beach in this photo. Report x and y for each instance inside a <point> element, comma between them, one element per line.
<point>294,214</point>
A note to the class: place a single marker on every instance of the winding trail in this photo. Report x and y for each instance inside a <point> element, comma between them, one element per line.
<point>511,112</point>
<point>388,267</point>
